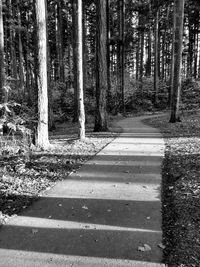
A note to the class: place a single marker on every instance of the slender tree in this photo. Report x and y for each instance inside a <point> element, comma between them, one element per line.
<point>81,109</point>
<point>74,37</point>
<point>179,17</point>
<point>2,71</point>
<point>42,131</point>
<point>156,64</point>
<point>21,56</point>
<point>101,67</point>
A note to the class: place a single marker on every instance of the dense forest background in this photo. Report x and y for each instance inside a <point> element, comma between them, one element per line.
<point>139,39</point>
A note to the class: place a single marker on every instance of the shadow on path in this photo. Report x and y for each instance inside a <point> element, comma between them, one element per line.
<point>98,216</point>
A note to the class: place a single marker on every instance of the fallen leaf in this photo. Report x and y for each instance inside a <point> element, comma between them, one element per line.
<point>161,246</point>
<point>34,231</point>
<point>144,248</point>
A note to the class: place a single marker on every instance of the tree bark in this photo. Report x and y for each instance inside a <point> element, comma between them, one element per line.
<point>2,70</point>
<point>179,18</point>
<point>148,66</point>
<point>101,68</point>
<point>60,50</point>
<point>21,57</point>
<point>156,60</point>
<point>74,33</point>
<point>13,60</point>
<point>81,109</point>
<point>42,131</point>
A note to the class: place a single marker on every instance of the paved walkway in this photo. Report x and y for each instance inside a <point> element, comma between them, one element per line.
<point>98,216</point>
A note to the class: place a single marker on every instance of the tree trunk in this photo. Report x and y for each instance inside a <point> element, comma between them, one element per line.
<point>141,69</point>
<point>13,60</point>
<point>172,61</point>
<point>21,57</point>
<point>148,66</point>
<point>122,28</point>
<point>108,53</point>
<point>2,70</point>
<point>81,109</point>
<point>74,33</point>
<point>101,65</point>
<point>42,131</point>
<point>156,60</point>
<point>179,17</point>
<point>60,50</point>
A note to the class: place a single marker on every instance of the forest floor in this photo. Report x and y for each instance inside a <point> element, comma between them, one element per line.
<point>26,175</point>
<point>181,190</point>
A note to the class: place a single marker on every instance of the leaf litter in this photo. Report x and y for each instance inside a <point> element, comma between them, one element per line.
<point>24,179</point>
<point>180,190</point>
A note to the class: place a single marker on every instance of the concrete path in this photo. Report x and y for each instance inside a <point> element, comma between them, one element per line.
<point>98,216</point>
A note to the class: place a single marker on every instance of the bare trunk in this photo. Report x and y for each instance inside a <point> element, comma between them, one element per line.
<point>13,59</point>
<point>42,131</point>
<point>179,13</point>
<point>148,67</point>
<point>81,109</point>
<point>2,70</point>
<point>74,22</point>
<point>60,50</point>
<point>156,60</point>
<point>101,71</point>
<point>21,57</point>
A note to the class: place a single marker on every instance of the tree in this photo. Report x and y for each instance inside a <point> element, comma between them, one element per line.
<point>74,34</point>
<point>156,64</point>
<point>42,130</point>
<point>101,67</point>
<point>81,109</point>
<point>2,71</point>
<point>178,29</point>
<point>21,57</point>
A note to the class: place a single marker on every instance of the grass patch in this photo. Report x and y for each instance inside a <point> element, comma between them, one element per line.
<point>181,190</point>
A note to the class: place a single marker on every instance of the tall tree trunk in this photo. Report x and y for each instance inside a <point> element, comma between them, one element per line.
<point>156,60</point>
<point>121,20</point>
<point>172,61</point>
<point>101,71</point>
<point>148,66</point>
<point>122,37</point>
<point>141,69</point>
<point>179,13</point>
<point>81,109</point>
<point>196,50</point>
<point>2,70</point>
<point>42,131</point>
<point>74,33</point>
<point>60,50</point>
<point>28,69</point>
<point>21,57</point>
<point>137,57</point>
<point>108,53</point>
<point>190,49</point>
<point>35,85</point>
<point>13,60</point>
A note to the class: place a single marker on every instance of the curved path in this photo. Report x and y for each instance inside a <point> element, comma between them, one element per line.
<point>103,215</point>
